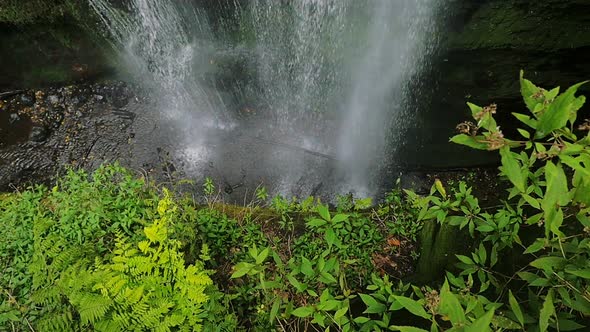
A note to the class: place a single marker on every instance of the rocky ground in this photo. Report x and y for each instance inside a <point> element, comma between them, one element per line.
<point>44,131</point>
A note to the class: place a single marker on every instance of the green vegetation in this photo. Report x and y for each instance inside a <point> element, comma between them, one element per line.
<point>110,252</point>
<point>23,12</point>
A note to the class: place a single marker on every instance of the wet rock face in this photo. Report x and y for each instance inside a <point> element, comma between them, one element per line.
<point>58,127</point>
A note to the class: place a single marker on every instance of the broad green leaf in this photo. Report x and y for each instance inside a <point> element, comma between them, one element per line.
<point>373,306</point>
<point>339,218</point>
<point>275,308</point>
<point>413,306</point>
<point>532,202</point>
<point>340,313</point>
<point>582,185</point>
<point>557,191</point>
<point>303,312</point>
<point>241,269</point>
<point>476,142</point>
<point>505,323</point>
<point>474,109</point>
<point>569,325</point>
<point>407,329</point>
<point>450,305</point>
<point>262,256</point>
<point>548,263</point>
<point>482,324</point>
<point>324,212</point>
<point>527,120</point>
<point>330,237</point>
<point>301,287</point>
<point>465,259</point>
<point>515,308</point>
<point>316,223</point>
<point>582,273</point>
<point>550,95</point>
<point>559,112</point>
<point>547,311</point>
<point>553,220</point>
<point>362,320</point>
<point>328,305</point>
<point>524,133</point>
<point>306,267</point>
<point>512,169</point>
<point>536,246</point>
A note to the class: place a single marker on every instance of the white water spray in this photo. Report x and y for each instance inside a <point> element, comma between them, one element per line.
<point>332,74</point>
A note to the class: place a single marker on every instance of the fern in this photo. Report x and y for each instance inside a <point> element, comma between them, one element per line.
<point>145,286</point>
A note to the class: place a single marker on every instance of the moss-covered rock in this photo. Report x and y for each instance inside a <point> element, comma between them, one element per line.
<point>522,24</point>
<point>20,12</point>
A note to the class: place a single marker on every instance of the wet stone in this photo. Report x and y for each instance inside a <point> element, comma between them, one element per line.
<point>27,100</point>
<point>53,99</point>
<point>14,118</point>
<point>38,134</point>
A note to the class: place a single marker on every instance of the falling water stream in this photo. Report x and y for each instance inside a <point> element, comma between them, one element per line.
<point>330,77</point>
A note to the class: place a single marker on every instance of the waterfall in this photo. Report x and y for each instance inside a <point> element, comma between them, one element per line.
<point>330,75</point>
<point>348,60</point>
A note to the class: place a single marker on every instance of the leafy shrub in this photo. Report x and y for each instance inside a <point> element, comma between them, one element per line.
<point>73,259</point>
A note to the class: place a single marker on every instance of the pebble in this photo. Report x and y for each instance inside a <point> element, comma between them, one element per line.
<point>38,134</point>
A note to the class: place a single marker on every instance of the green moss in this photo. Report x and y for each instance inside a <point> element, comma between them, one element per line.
<point>48,75</point>
<point>20,12</point>
<point>512,24</point>
<point>438,246</point>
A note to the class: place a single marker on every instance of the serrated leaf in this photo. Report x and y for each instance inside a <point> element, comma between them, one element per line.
<point>512,169</point>
<point>559,112</point>
<point>547,311</point>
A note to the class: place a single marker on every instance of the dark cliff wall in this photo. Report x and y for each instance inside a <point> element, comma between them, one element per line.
<point>483,46</point>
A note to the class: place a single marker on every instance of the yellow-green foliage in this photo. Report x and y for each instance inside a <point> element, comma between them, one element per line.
<point>144,287</point>
<point>97,252</point>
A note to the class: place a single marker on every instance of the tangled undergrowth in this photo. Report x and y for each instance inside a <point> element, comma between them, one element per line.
<point>112,252</point>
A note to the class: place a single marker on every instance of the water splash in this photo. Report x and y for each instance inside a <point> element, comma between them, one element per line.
<point>348,62</point>
<point>166,45</point>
